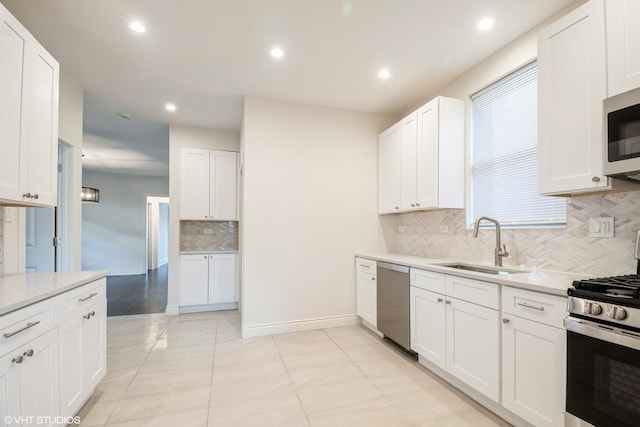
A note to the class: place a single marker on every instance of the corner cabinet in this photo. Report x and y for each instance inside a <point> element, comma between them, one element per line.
<point>29,119</point>
<point>208,184</point>
<point>208,282</point>
<point>421,159</point>
<point>623,45</point>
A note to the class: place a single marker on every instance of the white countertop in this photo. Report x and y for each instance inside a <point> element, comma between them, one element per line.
<point>20,290</point>
<point>546,281</point>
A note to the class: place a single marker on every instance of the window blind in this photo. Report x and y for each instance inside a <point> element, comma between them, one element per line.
<point>504,155</point>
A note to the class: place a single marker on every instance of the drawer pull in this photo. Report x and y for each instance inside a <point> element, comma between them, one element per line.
<point>18,359</point>
<point>88,315</point>
<point>24,328</point>
<point>88,297</point>
<point>523,304</point>
<point>440,300</point>
<point>364,265</point>
<point>28,353</point>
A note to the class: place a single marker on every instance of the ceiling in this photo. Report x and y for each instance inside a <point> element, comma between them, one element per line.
<point>205,55</point>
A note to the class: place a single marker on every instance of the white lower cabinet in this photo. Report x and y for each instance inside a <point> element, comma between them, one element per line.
<point>458,336</point>
<point>366,292</point>
<point>533,357</point>
<point>207,279</point>
<point>29,382</point>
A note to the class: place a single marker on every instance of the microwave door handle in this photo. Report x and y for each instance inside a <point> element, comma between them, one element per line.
<point>602,332</point>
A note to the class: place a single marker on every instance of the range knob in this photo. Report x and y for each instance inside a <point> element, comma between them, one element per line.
<point>616,313</point>
<point>592,308</point>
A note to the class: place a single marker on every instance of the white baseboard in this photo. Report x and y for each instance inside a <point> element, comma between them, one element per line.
<point>208,307</point>
<point>298,326</point>
<point>162,262</point>
<point>372,328</point>
<point>172,310</point>
<point>126,272</point>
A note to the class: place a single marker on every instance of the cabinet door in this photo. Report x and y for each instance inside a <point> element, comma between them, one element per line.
<point>427,156</point>
<point>223,184</point>
<point>473,346</point>
<point>95,342</point>
<point>389,175</point>
<point>39,392</point>
<point>41,101</point>
<point>13,172</point>
<point>427,325</point>
<point>533,371</point>
<point>194,183</point>
<point>408,163</point>
<point>222,278</point>
<point>9,388</point>
<point>72,384</point>
<point>194,279</point>
<point>366,298</point>
<point>571,87</point>
<point>623,45</point>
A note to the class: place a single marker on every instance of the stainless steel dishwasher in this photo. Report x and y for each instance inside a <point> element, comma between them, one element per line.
<point>393,302</point>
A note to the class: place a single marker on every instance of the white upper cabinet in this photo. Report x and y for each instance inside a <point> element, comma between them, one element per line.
<point>389,172</point>
<point>623,45</point>
<point>208,184</point>
<point>422,159</point>
<point>28,117</point>
<point>572,83</point>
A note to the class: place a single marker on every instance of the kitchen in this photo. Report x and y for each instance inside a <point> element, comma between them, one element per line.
<point>339,216</point>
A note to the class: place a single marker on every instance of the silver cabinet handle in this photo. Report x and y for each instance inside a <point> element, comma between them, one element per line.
<point>417,204</point>
<point>35,196</point>
<point>88,297</point>
<point>413,205</point>
<point>88,315</point>
<point>27,195</point>
<point>18,359</point>
<point>373,278</point>
<point>522,304</point>
<point>397,207</point>
<point>440,300</point>
<point>595,179</point>
<point>364,265</point>
<point>28,353</point>
<point>447,302</point>
<point>24,328</point>
<point>505,321</point>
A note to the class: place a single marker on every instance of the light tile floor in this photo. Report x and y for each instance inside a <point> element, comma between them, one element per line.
<point>196,370</point>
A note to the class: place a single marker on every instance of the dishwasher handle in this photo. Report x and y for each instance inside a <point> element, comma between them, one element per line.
<point>394,267</point>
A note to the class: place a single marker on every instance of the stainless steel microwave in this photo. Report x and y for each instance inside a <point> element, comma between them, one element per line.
<point>622,135</point>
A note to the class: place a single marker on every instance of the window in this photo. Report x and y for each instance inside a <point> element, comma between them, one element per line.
<point>504,155</point>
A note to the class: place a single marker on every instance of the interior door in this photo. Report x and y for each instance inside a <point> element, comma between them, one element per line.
<point>40,230</point>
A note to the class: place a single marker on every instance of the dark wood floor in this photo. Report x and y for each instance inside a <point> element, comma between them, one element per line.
<point>137,294</point>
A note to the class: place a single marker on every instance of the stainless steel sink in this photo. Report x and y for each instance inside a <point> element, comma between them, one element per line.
<point>484,269</point>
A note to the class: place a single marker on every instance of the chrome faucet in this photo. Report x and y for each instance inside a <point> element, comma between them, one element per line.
<point>500,250</point>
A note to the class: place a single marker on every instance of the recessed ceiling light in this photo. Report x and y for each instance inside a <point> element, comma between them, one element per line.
<point>384,74</point>
<point>170,107</point>
<point>137,26</point>
<point>485,24</point>
<point>277,52</point>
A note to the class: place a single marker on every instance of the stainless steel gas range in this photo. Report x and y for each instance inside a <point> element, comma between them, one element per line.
<point>603,352</point>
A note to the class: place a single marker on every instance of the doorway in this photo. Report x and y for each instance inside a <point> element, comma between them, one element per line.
<point>45,228</point>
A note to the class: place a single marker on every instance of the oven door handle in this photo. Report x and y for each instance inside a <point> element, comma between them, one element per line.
<point>603,332</point>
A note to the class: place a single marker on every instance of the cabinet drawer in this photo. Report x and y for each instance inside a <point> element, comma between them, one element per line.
<point>365,265</point>
<point>474,291</point>
<point>548,309</point>
<point>21,326</point>
<point>79,298</point>
<point>427,280</point>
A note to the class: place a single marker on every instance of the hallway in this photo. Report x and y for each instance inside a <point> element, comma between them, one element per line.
<point>137,294</point>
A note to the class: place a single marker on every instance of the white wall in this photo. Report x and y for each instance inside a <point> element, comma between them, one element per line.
<point>163,234</point>
<point>187,136</point>
<point>309,204</point>
<point>114,230</point>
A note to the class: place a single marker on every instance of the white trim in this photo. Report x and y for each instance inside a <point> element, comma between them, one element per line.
<point>372,328</point>
<point>208,307</point>
<point>299,325</point>
<point>172,310</point>
<point>127,271</point>
<point>163,261</point>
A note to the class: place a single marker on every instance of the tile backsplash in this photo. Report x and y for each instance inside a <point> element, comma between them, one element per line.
<point>1,241</point>
<point>208,235</point>
<point>564,249</point>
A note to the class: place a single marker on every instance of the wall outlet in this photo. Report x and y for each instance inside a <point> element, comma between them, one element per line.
<point>208,231</point>
<point>601,227</point>
<point>401,229</point>
<point>443,229</point>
